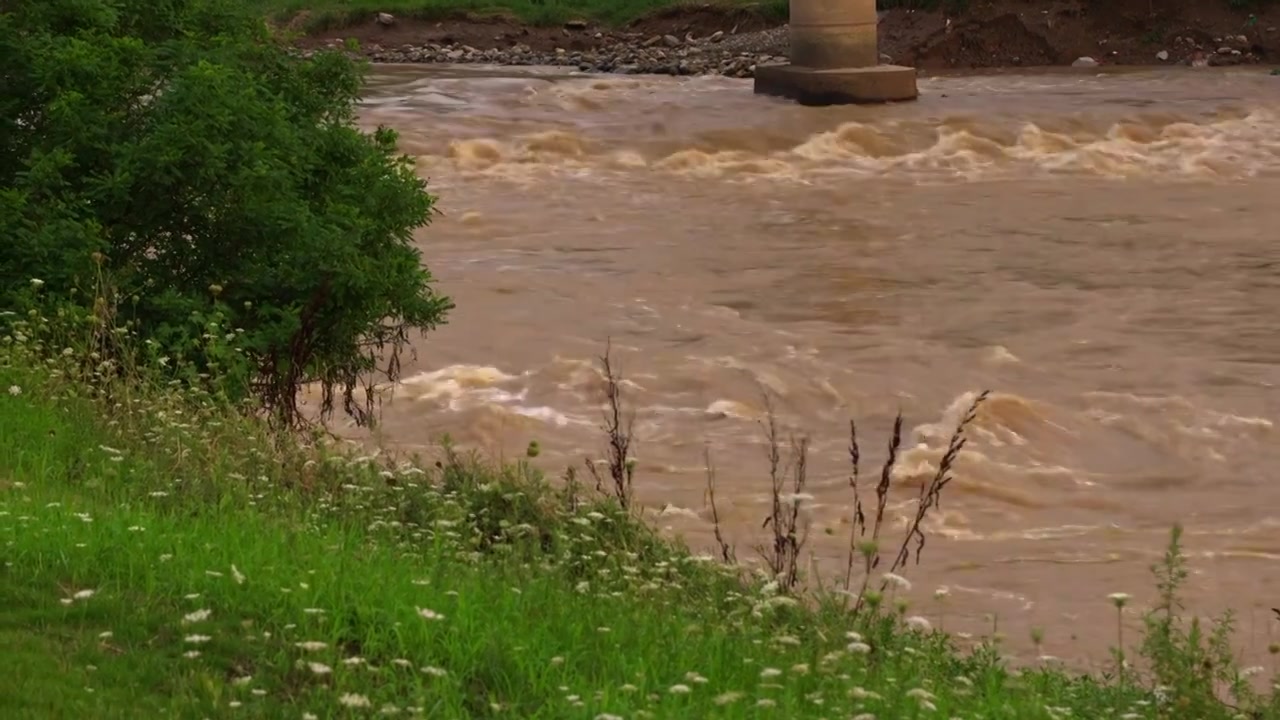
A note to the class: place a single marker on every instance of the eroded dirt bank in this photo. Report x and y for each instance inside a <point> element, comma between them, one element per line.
<point>710,39</point>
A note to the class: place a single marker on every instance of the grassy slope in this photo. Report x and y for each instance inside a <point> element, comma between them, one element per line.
<point>323,14</point>
<point>170,508</point>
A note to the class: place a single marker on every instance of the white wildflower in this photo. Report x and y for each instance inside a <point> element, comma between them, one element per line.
<point>353,700</point>
<point>915,622</point>
<point>897,581</point>
<point>197,616</point>
<point>319,668</point>
<point>428,614</point>
<point>678,689</point>
<point>14,390</point>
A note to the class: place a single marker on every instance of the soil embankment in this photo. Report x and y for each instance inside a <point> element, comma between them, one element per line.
<point>731,41</point>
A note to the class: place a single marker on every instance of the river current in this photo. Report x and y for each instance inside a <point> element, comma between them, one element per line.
<point>1099,250</point>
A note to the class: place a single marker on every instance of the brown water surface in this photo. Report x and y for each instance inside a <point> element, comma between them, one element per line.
<point>1100,250</point>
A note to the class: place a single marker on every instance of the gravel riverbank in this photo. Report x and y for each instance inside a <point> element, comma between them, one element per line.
<point>729,54</point>
<point>705,41</point>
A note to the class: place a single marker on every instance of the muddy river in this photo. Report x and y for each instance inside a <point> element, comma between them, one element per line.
<point>1099,250</point>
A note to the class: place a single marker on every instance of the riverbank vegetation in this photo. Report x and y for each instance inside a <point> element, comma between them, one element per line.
<point>165,552</point>
<point>197,231</point>
<point>320,15</point>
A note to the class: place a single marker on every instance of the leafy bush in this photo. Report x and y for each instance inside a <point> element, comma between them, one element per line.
<point>181,148</point>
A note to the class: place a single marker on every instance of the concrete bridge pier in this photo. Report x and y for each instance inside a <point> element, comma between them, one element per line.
<point>835,58</point>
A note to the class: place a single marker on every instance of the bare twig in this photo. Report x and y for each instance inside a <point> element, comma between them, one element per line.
<point>783,556</point>
<point>931,492</point>
<point>870,549</point>
<point>618,425</point>
<point>859,519</point>
<point>727,554</point>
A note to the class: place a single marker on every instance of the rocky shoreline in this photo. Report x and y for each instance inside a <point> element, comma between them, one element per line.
<point>734,56</point>
<point>684,44</point>
<point>729,54</point>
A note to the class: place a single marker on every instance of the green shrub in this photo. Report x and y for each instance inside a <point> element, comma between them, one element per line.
<point>181,148</point>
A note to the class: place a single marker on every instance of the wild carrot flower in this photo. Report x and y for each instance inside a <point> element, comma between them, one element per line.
<point>195,617</point>
<point>915,622</point>
<point>353,700</point>
<point>728,697</point>
<point>428,614</point>
<point>897,581</point>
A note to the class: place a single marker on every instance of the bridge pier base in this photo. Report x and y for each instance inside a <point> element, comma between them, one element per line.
<point>835,58</point>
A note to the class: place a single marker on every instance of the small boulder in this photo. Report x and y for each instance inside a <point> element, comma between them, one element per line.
<point>386,19</point>
<point>1085,62</point>
<point>671,40</point>
<point>1162,55</point>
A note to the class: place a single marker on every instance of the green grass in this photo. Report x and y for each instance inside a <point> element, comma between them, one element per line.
<point>164,555</point>
<point>333,14</point>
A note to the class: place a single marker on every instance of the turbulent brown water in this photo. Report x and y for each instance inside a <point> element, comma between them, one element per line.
<point>1100,250</point>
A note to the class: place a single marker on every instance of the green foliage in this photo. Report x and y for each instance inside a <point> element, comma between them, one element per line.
<point>181,149</point>
<point>167,556</point>
<point>1188,664</point>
